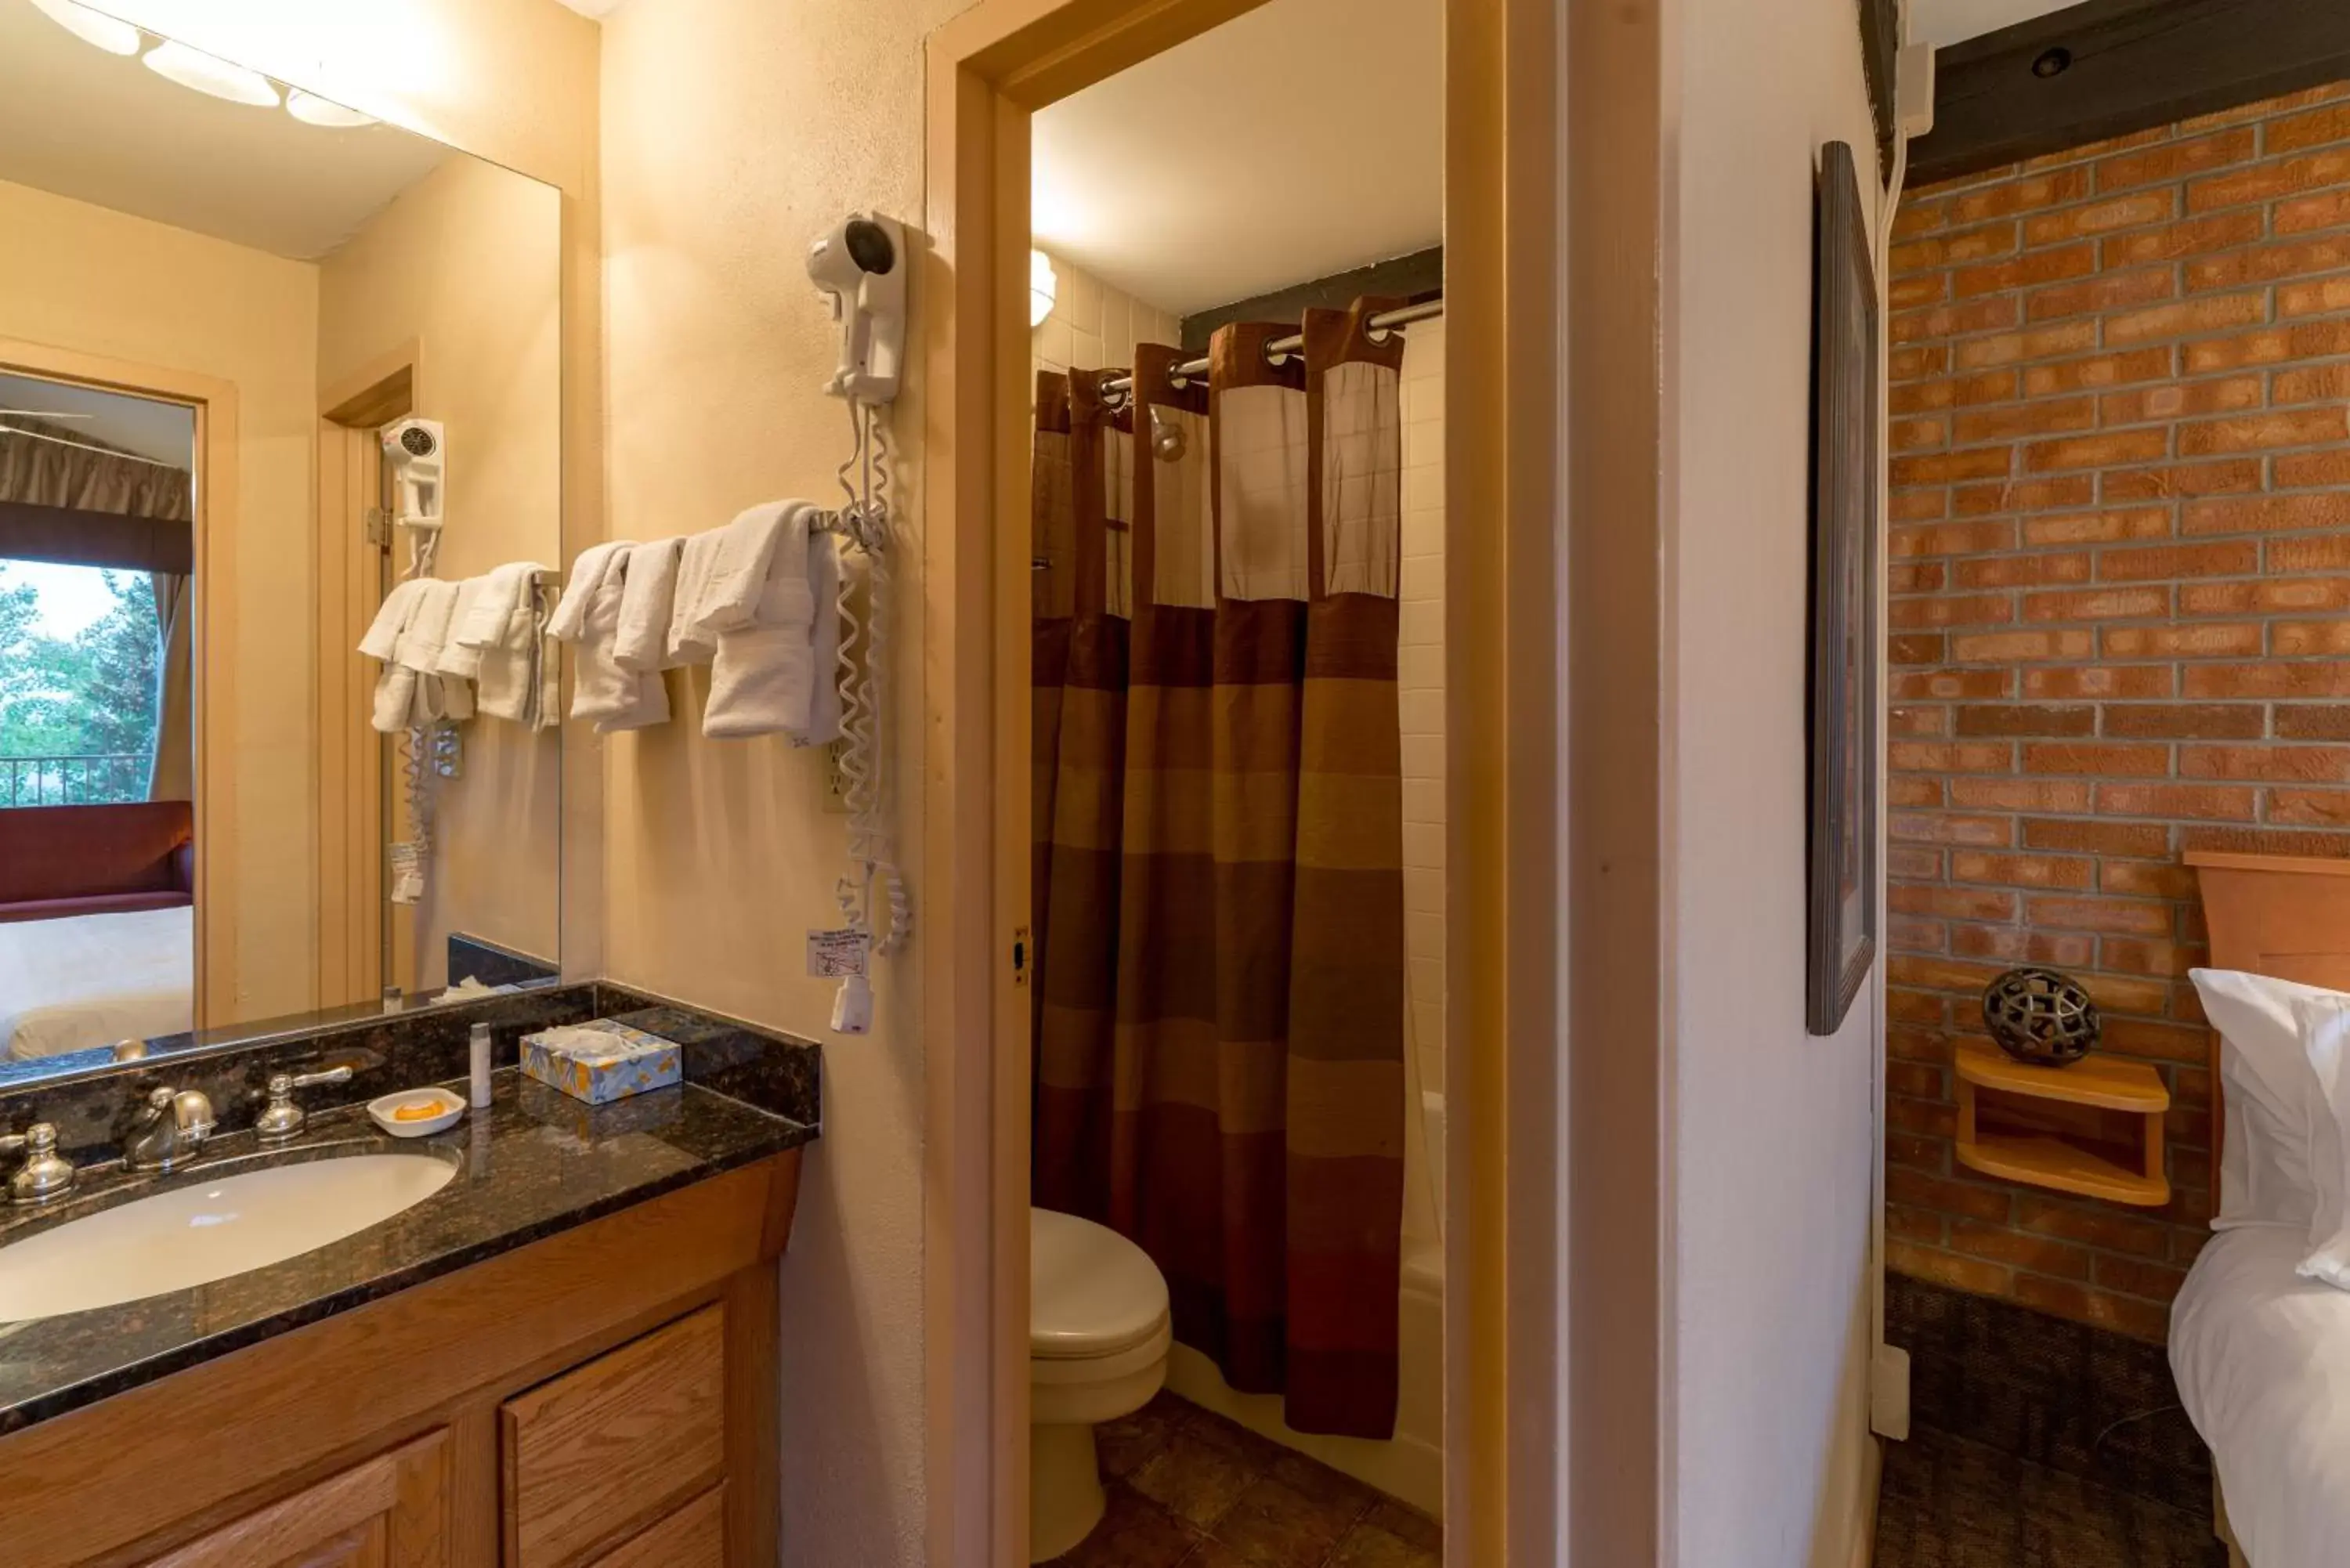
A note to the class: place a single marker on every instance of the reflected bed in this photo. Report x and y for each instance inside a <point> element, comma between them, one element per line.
<point>86,980</point>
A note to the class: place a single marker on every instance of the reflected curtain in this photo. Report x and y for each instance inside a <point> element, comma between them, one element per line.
<point>46,464</point>
<point>1218,893</point>
<point>172,774</point>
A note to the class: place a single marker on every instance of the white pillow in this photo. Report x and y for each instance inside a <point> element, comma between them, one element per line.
<point>2268,1173</point>
<point>2324,1023</point>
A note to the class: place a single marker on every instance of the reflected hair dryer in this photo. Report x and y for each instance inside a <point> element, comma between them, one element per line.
<point>416,452</point>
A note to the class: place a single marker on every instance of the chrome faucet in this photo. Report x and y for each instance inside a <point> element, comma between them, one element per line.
<point>283,1118</point>
<point>45,1173</point>
<point>174,1125</point>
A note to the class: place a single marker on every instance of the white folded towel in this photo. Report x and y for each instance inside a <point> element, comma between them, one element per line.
<point>764,678</point>
<point>458,658</point>
<point>421,640</point>
<point>509,670</point>
<point>824,585</point>
<point>740,588</point>
<point>499,627</point>
<point>694,565</point>
<point>570,618</point>
<point>395,697</point>
<point>590,618</point>
<point>488,621</point>
<point>383,634</point>
<point>647,604</point>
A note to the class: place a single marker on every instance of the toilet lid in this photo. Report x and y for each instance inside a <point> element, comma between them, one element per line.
<point>1091,1291</point>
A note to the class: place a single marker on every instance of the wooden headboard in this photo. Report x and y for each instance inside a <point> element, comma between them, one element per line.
<point>2282,915</point>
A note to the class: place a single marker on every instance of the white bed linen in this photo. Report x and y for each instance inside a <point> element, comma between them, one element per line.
<point>2262,1360</point>
<point>91,980</point>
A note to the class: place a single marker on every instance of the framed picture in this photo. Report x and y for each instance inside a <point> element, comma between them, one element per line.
<point>1843,708</point>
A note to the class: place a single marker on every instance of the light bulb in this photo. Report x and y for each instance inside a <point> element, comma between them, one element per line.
<point>311,109</point>
<point>211,74</point>
<point>116,38</point>
<point>1043,287</point>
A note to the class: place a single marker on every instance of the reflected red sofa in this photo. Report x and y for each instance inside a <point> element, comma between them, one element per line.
<point>59,860</point>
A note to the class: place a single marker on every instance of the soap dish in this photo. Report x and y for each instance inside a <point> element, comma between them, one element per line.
<point>450,1108</point>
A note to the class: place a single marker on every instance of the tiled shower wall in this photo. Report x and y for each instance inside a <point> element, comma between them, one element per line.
<point>1093,325</point>
<point>2120,567</point>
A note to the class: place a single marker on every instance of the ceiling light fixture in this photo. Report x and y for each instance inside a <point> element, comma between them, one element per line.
<point>210,74</point>
<point>1043,287</point>
<point>116,38</point>
<point>311,109</point>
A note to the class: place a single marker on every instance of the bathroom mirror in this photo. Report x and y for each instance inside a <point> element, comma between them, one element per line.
<point>222,302</point>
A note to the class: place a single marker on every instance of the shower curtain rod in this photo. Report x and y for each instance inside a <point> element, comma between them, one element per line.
<point>85,446</point>
<point>1282,348</point>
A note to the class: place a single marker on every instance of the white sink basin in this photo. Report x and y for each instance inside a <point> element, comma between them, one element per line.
<point>208,1231</point>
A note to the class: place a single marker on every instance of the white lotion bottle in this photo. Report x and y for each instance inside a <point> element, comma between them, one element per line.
<point>480,1086</point>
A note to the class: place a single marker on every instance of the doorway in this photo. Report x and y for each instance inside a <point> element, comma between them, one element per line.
<point>990,70</point>
<point>134,527</point>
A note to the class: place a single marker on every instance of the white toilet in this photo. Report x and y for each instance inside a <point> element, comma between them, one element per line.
<point>1098,1339</point>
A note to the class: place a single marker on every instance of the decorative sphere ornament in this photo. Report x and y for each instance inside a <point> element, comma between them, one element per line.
<point>2040,1016</point>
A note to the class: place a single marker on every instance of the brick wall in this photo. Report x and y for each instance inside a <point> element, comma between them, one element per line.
<point>2120,567</point>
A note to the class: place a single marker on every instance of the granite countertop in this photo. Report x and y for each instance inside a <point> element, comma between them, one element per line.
<point>537,1163</point>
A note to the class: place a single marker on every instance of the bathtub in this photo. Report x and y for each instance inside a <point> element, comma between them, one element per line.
<point>1411,1465</point>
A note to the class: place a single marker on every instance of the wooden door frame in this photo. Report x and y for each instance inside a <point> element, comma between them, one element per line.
<point>213,673</point>
<point>988,70</point>
<point>351,848</point>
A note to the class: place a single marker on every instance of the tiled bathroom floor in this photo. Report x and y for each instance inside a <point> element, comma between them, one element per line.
<point>1191,1490</point>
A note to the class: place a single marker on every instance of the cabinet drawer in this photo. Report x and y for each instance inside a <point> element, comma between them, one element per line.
<point>692,1537</point>
<point>599,1452</point>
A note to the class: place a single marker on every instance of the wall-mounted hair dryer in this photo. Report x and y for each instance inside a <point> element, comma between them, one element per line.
<point>861,264</point>
<point>416,452</point>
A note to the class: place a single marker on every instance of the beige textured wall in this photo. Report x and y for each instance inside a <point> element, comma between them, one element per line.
<point>1768,1249</point>
<point>101,281</point>
<point>467,265</point>
<point>734,131</point>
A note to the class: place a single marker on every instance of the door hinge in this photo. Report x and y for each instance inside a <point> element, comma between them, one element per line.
<point>377,527</point>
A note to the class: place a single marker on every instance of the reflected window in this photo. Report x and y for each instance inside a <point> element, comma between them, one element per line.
<point>79,653</point>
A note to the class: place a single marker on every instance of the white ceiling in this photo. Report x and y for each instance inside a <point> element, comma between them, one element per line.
<point>594,7</point>
<point>104,129</point>
<point>1303,139</point>
<point>163,431</point>
<point>1941,22</point>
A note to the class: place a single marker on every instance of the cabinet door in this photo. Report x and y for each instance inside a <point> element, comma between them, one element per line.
<point>389,1512</point>
<point>692,1537</point>
<point>593,1456</point>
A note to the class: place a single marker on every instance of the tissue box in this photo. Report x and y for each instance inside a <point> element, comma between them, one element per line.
<point>600,1061</point>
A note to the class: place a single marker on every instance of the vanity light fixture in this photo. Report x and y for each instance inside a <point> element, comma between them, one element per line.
<point>113,36</point>
<point>1043,287</point>
<point>192,68</point>
<point>311,109</point>
<point>210,74</point>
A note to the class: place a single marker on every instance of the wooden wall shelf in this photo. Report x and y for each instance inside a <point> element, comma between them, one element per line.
<point>2013,1124</point>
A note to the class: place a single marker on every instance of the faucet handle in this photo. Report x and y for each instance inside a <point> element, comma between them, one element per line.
<point>283,1118</point>
<point>284,1083</point>
<point>45,1173</point>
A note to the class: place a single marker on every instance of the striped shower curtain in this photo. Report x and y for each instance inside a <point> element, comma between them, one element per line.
<point>1218,896</point>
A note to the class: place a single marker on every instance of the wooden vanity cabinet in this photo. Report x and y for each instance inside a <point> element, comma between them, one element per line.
<point>607,1397</point>
<point>596,1456</point>
<point>389,1512</point>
